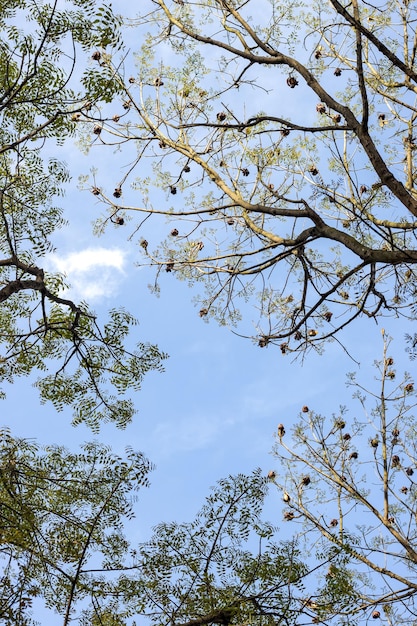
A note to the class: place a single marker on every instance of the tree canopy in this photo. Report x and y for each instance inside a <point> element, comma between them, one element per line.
<point>347,483</point>
<point>340,550</point>
<point>278,139</point>
<point>279,145</point>
<point>62,518</point>
<point>47,80</point>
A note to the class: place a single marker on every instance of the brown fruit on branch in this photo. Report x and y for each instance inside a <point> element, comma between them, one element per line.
<point>281,430</point>
<point>292,82</point>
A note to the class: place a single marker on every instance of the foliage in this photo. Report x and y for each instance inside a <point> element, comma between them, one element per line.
<point>42,64</point>
<point>223,568</point>
<point>349,490</point>
<point>62,546</point>
<point>281,139</point>
<point>61,526</point>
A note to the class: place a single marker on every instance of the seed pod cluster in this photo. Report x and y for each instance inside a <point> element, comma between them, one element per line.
<point>292,82</point>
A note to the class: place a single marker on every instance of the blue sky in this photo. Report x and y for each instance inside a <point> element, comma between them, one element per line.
<point>215,409</point>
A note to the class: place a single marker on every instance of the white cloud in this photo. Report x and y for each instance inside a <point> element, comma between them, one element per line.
<point>93,273</point>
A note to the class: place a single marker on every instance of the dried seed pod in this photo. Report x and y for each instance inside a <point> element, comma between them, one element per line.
<point>381,120</point>
<point>338,71</point>
<point>221,116</point>
<point>395,432</point>
<point>340,423</point>
<point>409,388</point>
<point>203,312</point>
<point>409,471</point>
<point>391,374</point>
<point>363,189</point>
<point>173,190</point>
<point>313,170</point>
<point>337,118</point>
<point>117,192</point>
<point>328,316</point>
<point>116,118</point>
<point>96,56</point>
<point>374,442</point>
<point>395,461</point>
<point>312,332</point>
<point>321,108</point>
<point>97,129</point>
<point>333,522</point>
<point>127,104</point>
<point>347,436</point>
<point>119,221</point>
<point>245,171</point>
<point>283,347</point>
<point>298,335</point>
<point>76,116</point>
<point>95,191</point>
<point>132,80</point>
<point>292,82</point>
<point>376,614</point>
<point>288,516</point>
<point>186,169</point>
<point>305,481</point>
<point>158,82</point>
<point>230,221</point>
<point>174,232</point>
<point>353,455</point>
<point>162,145</point>
<point>263,342</point>
<point>285,132</point>
<point>144,244</point>
<point>199,245</point>
<point>286,497</point>
<point>271,475</point>
<point>317,53</point>
<point>305,409</point>
<point>404,489</point>
<point>281,430</point>
<point>169,266</point>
